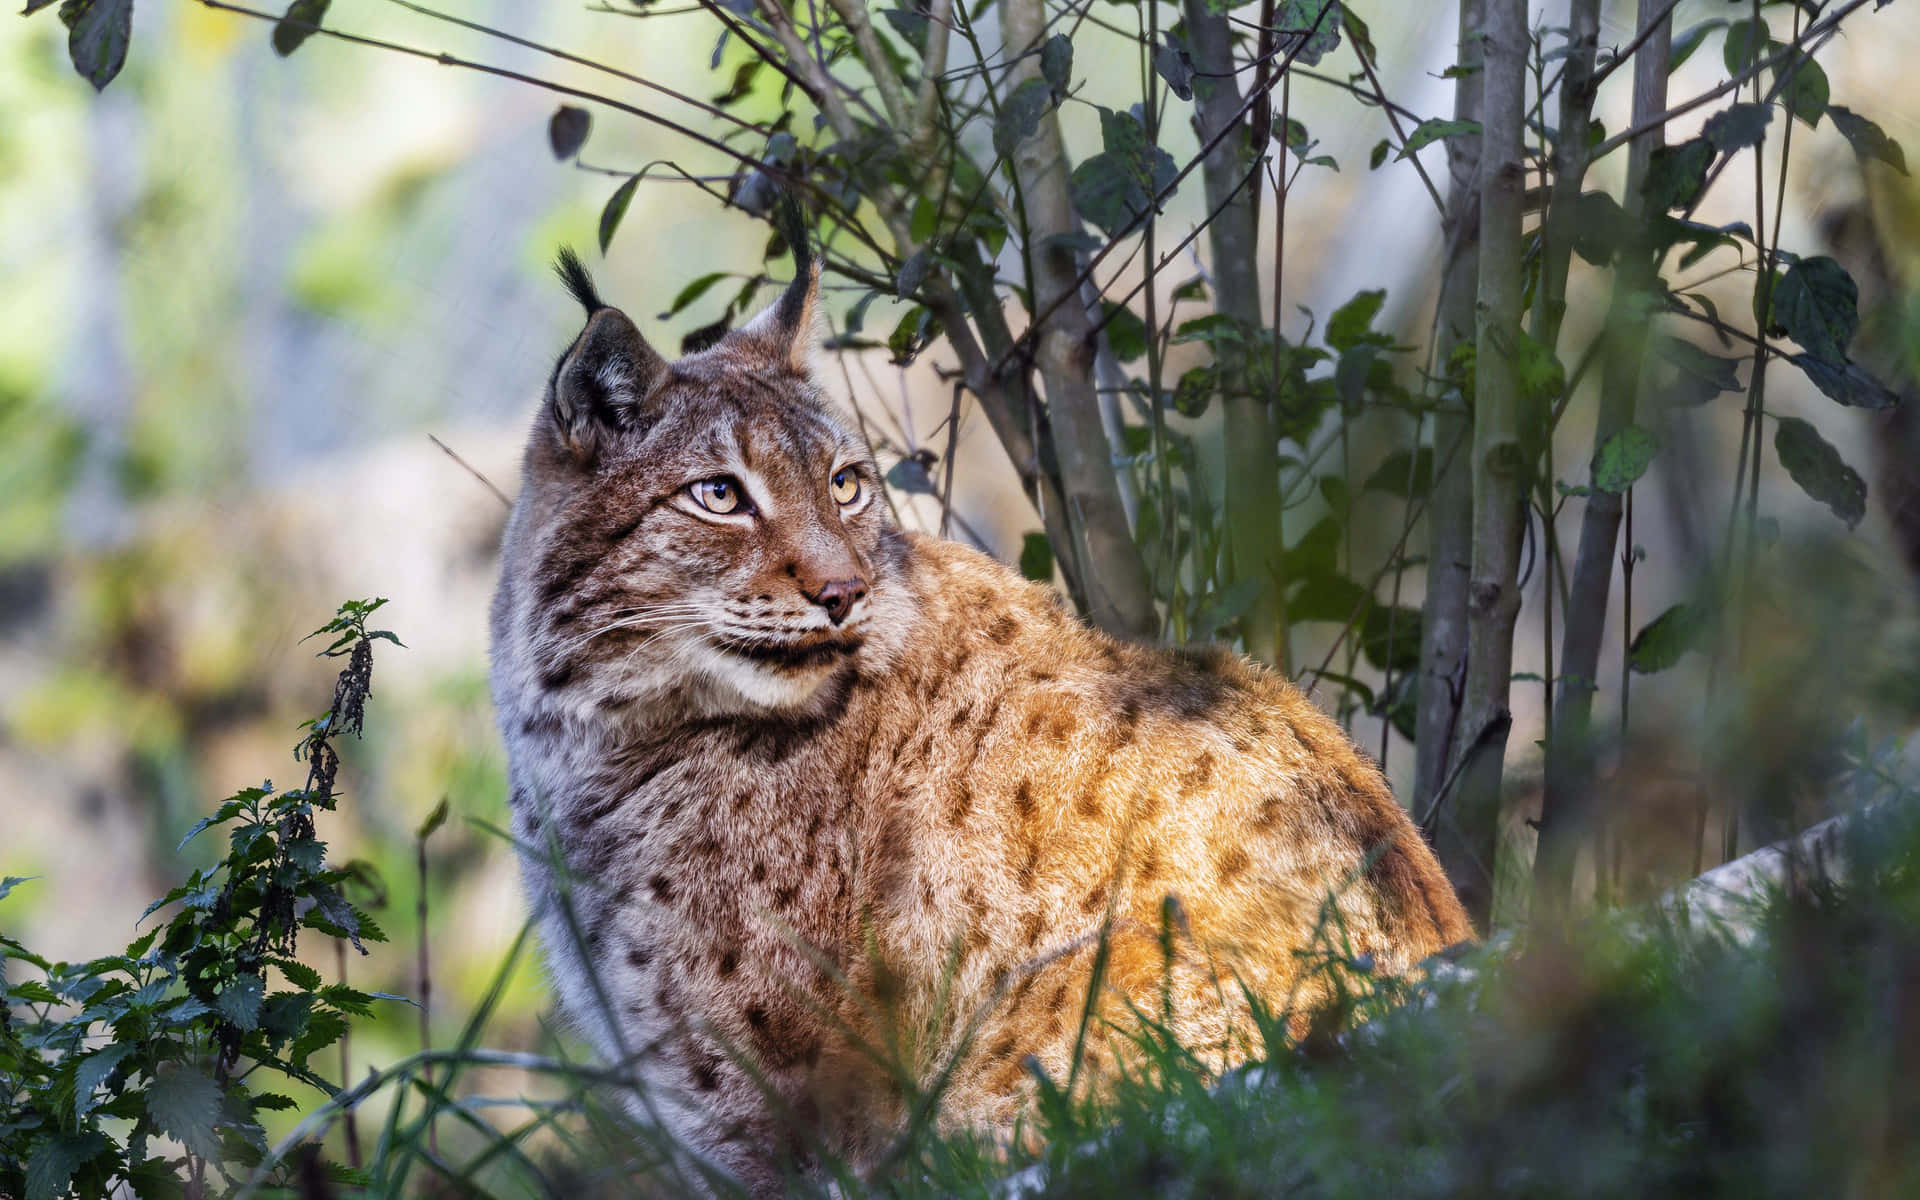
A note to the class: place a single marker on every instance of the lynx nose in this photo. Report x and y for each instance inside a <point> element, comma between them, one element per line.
<point>838,597</point>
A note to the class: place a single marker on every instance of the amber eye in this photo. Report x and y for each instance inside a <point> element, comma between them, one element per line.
<point>845,485</point>
<point>719,495</point>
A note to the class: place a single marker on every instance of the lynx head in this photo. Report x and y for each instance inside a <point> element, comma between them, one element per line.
<point>702,533</point>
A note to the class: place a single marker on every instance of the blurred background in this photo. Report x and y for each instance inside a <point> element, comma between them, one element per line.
<point>238,294</point>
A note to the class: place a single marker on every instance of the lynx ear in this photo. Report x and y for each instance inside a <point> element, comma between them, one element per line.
<point>784,330</point>
<point>600,382</point>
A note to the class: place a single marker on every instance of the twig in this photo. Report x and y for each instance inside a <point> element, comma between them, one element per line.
<point>1625,53</point>
<point>577,60</point>
<point>1439,205</point>
<point>468,467</point>
<point>451,60</point>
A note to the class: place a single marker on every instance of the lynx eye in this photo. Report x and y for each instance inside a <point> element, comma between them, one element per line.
<point>721,494</point>
<point>845,486</point>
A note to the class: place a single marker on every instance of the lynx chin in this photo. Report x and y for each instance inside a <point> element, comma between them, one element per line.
<point>817,814</point>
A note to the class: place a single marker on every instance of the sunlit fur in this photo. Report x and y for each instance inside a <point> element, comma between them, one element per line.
<point>800,849</point>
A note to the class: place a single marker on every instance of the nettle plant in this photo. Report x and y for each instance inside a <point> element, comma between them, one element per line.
<point>147,1070</point>
<point>1243,498</point>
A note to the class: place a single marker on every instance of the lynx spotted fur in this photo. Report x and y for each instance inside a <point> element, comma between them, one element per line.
<point>790,781</point>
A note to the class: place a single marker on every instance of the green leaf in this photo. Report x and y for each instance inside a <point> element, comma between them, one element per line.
<point>1403,474</point>
<point>910,25</point>
<point>616,209</point>
<point>1676,175</point>
<point>1194,391</point>
<point>1056,64</point>
<point>97,35</point>
<point>1623,458</point>
<point>1126,333</point>
<point>93,1071</point>
<point>1019,116</point>
<point>187,1010</point>
<point>1327,596</point>
<point>13,881</point>
<point>1390,637</point>
<point>298,973</point>
<point>691,292</point>
<point>1214,329</point>
<point>1738,126</point>
<point>1359,35</point>
<point>1601,228</point>
<point>1172,63</point>
<point>1666,638</point>
<point>1538,370</point>
<point>1847,383</point>
<point>925,220</point>
<point>351,1001</point>
<point>1119,186</point>
<point>913,273</point>
<point>1817,303</point>
<point>56,1157</point>
<point>1036,558</point>
<point>911,474</point>
<point>285,1015</point>
<point>1317,551</point>
<point>226,812</point>
<point>1433,129</point>
<point>185,1104</point>
<point>301,19</point>
<point>1868,140</point>
<point>239,1001</point>
<point>1225,607</point>
<point>435,820</point>
<point>1745,42</point>
<point>1381,149</point>
<point>158,1179</point>
<point>323,1030</point>
<point>1311,20</point>
<point>1820,471</point>
<point>1700,376</point>
<point>1351,323</point>
<point>567,130</point>
<point>912,334</point>
<point>1806,91</point>
<point>1684,44</point>
<point>741,83</point>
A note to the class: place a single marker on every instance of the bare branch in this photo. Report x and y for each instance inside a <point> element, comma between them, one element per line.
<point>892,96</point>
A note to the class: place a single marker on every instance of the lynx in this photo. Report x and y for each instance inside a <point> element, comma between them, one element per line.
<point>818,816</point>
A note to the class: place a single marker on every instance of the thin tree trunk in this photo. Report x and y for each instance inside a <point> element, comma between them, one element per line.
<point>1570,151</point>
<point>1566,813</point>
<point>1443,631</point>
<point>1012,409</point>
<point>1252,466</point>
<point>1111,378</point>
<point>1469,840</point>
<point>1112,572</point>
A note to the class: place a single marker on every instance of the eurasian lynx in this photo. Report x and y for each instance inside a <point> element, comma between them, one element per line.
<point>817,782</point>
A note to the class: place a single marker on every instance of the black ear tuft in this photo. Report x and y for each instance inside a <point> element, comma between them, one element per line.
<point>791,220</point>
<point>782,334</point>
<point>580,284</point>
